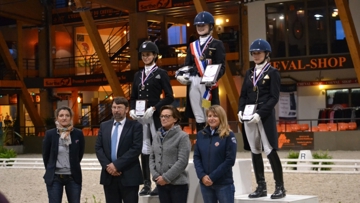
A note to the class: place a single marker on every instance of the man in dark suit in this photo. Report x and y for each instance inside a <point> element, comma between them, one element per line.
<point>118,147</point>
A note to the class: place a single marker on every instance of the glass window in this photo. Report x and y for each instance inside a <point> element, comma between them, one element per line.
<point>304,27</point>
<point>296,23</point>
<point>317,31</point>
<point>355,97</point>
<point>276,29</point>
<point>177,35</point>
<point>337,97</point>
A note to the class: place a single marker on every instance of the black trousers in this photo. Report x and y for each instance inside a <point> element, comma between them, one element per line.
<point>117,193</point>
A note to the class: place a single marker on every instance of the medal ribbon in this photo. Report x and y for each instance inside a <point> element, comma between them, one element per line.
<point>197,52</point>
<point>143,74</point>
<point>264,69</point>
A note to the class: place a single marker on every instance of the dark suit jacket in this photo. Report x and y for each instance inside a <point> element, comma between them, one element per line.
<point>155,84</point>
<point>50,150</point>
<point>266,99</point>
<point>129,149</point>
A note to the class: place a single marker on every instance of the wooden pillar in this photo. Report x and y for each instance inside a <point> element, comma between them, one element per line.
<point>138,34</point>
<point>94,111</point>
<point>350,33</point>
<point>75,106</point>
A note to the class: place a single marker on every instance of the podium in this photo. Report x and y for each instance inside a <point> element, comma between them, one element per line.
<point>242,180</point>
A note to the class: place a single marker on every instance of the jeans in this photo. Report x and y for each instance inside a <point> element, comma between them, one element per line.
<point>173,193</point>
<point>72,189</point>
<point>215,193</point>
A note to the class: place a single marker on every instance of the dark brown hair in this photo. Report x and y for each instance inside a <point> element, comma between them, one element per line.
<point>63,108</point>
<point>120,100</point>
<point>175,112</point>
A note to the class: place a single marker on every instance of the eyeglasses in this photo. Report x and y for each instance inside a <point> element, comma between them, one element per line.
<point>165,116</point>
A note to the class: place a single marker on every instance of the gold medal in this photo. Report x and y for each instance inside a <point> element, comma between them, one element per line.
<point>254,88</point>
<point>205,103</point>
<point>201,58</point>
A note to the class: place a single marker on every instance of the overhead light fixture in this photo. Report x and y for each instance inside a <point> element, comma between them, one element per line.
<point>318,16</point>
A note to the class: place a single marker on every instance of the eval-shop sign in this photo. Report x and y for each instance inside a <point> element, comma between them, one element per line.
<point>146,5</point>
<point>313,63</point>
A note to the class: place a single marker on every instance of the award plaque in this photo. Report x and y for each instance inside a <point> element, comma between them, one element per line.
<point>211,73</point>
<point>140,107</point>
<point>249,111</point>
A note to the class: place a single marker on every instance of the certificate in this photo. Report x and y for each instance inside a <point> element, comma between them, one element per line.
<point>140,107</point>
<point>211,73</point>
<point>249,111</point>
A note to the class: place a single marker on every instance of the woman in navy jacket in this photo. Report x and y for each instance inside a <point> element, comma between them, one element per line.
<point>214,157</point>
<point>63,149</point>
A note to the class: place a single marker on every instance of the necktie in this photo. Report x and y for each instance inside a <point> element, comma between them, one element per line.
<point>114,138</point>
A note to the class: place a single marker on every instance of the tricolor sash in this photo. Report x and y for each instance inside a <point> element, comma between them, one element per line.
<point>197,52</point>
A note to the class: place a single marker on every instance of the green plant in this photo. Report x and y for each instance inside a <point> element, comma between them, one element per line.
<point>322,155</point>
<point>94,198</point>
<point>7,153</point>
<point>293,155</point>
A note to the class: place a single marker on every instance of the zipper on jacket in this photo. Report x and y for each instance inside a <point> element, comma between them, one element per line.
<point>209,153</point>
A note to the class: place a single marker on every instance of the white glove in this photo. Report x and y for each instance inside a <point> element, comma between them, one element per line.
<point>182,79</point>
<point>240,117</point>
<point>148,113</point>
<point>255,118</point>
<point>133,115</point>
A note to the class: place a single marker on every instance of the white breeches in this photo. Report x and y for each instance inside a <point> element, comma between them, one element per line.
<point>148,131</point>
<point>196,93</point>
<point>256,136</point>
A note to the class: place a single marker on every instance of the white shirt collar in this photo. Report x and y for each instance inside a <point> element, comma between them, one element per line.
<point>122,122</point>
<point>203,39</point>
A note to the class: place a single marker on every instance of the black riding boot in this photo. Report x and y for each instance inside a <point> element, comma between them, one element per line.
<point>258,166</point>
<point>276,167</point>
<point>146,174</point>
<point>199,126</point>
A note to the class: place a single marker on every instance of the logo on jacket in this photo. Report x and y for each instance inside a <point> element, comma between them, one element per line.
<point>217,144</point>
<point>233,139</point>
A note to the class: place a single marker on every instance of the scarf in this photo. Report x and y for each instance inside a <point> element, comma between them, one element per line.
<point>64,132</point>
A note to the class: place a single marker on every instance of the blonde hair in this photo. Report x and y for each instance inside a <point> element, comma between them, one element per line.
<point>223,129</point>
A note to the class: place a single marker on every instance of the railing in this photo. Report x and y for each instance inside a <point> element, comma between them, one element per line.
<point>340,166</point>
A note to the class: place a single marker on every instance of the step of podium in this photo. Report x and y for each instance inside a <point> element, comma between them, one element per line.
<point>288,198</point>
<point>149,199</point>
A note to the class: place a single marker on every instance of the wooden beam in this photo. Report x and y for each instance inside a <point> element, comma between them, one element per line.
<point>100,50</point>
<point>350,33</point>
<point>26,11</point>
<point>160,18</point>
<point>227,79</point>
<point>10,63</point>
<point>127,5</point>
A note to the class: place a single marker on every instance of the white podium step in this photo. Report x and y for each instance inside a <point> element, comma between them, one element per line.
<point>148,199</point>
<point>288,198</point>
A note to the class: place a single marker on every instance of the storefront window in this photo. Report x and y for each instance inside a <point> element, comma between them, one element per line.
<point>276,29</point>
<point>303,28</point>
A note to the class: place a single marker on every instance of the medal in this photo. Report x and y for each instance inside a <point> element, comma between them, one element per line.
<point>143,78</point>
<point>201,58</point>
<point>256,78</point>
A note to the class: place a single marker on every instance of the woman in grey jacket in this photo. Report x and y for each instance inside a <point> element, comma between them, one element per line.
<point>169,158</point>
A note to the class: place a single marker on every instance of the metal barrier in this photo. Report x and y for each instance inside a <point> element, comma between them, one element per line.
<point>349,166</point>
